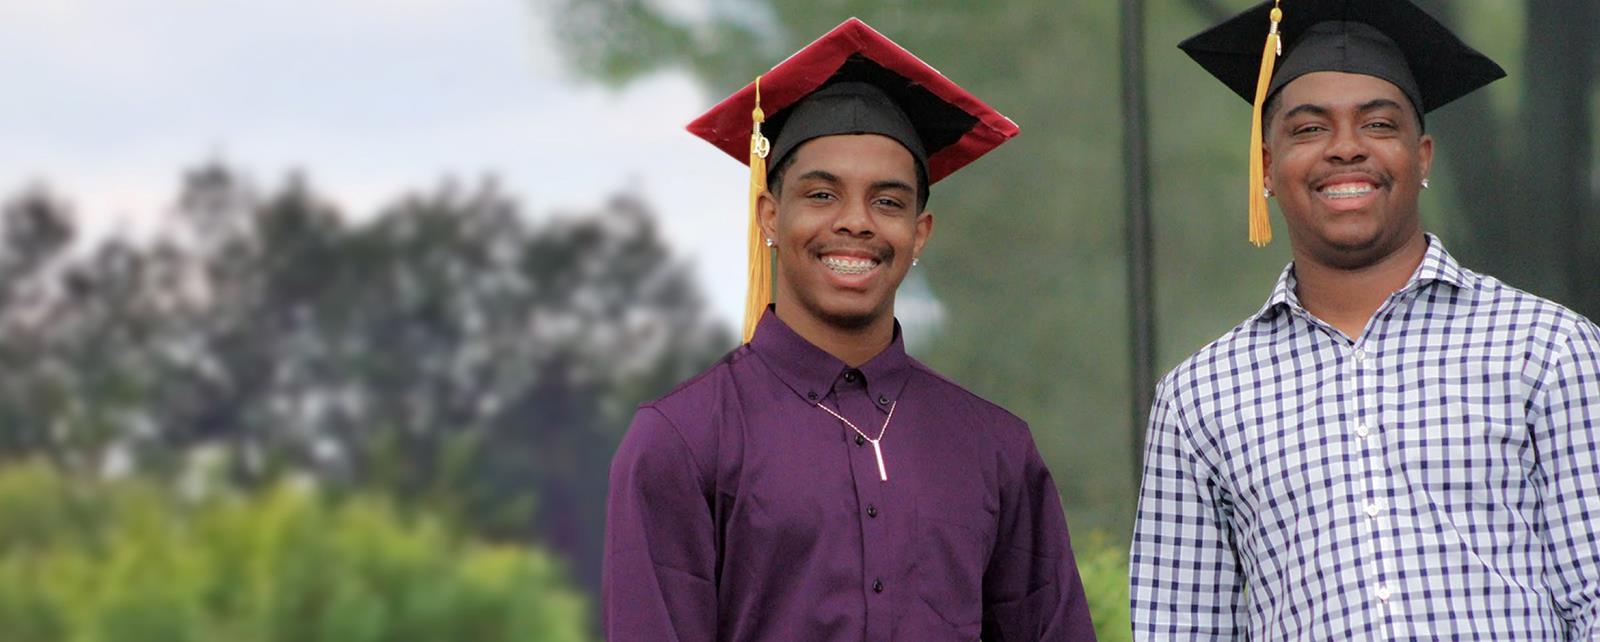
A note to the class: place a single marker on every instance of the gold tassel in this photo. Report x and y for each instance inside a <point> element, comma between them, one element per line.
<point>759,293</point>
<point>1260,223</point>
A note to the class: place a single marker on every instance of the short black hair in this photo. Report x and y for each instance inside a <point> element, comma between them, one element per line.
<point>775,179</point>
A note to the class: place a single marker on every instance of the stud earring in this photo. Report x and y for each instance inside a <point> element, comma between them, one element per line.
<point>914,261</point>
<point>770,243</point>
<point>1424,183</point>
<point>1266,192</point>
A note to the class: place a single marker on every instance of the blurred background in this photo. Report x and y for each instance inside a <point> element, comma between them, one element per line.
<point>322,320</point>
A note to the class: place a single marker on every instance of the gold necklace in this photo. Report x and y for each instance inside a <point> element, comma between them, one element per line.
<point>877,450</point>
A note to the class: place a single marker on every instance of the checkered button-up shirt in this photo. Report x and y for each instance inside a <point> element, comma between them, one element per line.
<point>1437,477</point>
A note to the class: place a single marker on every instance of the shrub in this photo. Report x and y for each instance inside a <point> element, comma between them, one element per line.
<point>1103,565</point>
<point>125,561</point>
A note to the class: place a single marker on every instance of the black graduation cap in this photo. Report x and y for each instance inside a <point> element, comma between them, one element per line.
<point>852,80</point>
<point>1389,39</point>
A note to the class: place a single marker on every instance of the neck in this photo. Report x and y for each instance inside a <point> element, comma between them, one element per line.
<point>1348,297</point>
<point>852,345</point>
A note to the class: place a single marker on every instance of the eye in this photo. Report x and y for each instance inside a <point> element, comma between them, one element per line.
<point>889,203</point>
<point>820,196</point>
<point>1308,129</point>
<point>1381,124</point>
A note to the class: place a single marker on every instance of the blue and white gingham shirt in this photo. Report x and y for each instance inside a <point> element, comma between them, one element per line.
<point>1436,478</point>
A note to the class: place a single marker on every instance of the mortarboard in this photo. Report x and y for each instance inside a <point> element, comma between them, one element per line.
<point>1389,39</point>
<point>852,80</point>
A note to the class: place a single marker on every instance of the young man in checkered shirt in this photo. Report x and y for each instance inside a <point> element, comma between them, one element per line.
<point>1393,447</point>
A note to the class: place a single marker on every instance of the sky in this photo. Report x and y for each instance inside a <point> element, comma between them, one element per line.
<point>107,102</point>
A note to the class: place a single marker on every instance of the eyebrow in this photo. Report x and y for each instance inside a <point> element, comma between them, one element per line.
<point>892,184</point>
<point>877,186</point>
<point>1378,103</point>
<point>820,175</point>
<point>1319,110</point>
<point>1307,108</point>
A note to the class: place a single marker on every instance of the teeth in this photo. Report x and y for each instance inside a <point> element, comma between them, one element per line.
<point>1346,190</point>
<point>849,265</point>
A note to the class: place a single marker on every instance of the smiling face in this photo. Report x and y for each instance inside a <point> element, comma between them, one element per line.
<point>1346,156</point>
<point>846,226</point>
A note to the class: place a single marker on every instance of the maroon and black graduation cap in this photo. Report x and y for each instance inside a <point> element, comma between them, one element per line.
<point>852,80</point>
<point>1394,40</point>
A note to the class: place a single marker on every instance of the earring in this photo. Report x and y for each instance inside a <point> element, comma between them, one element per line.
<point>914,261</point>
<point>1424,183</point>
<point>770,243</point>
<point>1266,192</point>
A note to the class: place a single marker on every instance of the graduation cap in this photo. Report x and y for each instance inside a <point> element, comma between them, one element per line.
<point>852,80</point>
<point>1393,40</point>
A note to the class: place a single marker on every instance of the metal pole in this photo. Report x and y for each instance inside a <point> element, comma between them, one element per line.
<point>1136,193</point>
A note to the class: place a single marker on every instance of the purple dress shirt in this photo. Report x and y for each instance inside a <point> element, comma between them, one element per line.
<point>739,510</point>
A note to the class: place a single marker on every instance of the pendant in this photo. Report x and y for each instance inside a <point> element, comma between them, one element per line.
<point>883,473</point>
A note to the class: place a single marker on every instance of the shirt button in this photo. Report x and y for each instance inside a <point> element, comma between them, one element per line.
<point>1374,507</point>
<point>1383,592</point>
<point>872,511</point>
<point>850,376</point>
<point>860,440</point>
<point>812,396</point>
<point>882,400</point>
<point>877,586</point>
<point>1362,430</point>
<point>1360,355</point>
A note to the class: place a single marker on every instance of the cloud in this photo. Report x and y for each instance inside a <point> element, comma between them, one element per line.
<point>370,97</point>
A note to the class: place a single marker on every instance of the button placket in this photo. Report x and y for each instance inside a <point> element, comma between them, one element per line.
<point>874,501</point>
<point>1363,407</point>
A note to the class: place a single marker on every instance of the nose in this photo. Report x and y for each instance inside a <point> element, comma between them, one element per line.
<point>1346,146</point>
<point>854,219</point>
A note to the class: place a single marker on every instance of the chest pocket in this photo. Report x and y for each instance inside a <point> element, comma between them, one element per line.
<point>952,552</point>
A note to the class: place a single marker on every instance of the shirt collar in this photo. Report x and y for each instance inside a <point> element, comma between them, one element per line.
<point>1437,267</point>
<point>813,373</point>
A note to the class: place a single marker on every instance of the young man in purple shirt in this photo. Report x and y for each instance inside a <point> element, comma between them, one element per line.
<point>818,483</point>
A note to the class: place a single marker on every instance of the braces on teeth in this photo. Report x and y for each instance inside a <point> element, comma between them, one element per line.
<point>849,267</point>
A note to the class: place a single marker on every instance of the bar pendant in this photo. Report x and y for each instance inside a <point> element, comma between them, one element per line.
<point>883,473</point>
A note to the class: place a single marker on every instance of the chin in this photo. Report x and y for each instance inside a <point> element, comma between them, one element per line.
<point>849,317</point>
<point>848,314</point>
<point>1352,250</point>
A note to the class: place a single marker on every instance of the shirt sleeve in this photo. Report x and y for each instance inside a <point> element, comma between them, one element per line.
<point>1184,581</point>
<point>1031,588</point>
<point>1566,429</point>
<point>659,570</point>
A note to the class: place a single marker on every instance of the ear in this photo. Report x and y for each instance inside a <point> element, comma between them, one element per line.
<point>1425,154</point>
<point>923,233</point>
<point>1266,165</point>
<point>767,214</point>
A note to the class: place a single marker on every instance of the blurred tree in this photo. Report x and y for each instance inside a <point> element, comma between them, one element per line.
<point>1027,261</point>
<point>1525,179</point>
<point>447,350</point>
<point>34,230</point>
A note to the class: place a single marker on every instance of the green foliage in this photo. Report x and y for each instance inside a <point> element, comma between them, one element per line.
<point>124,562</point>
<point>446,349</point>
<point>1103,565</point>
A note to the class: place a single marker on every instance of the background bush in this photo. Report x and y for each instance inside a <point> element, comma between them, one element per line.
<point>122,561</point>
<point>1103,564</point>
